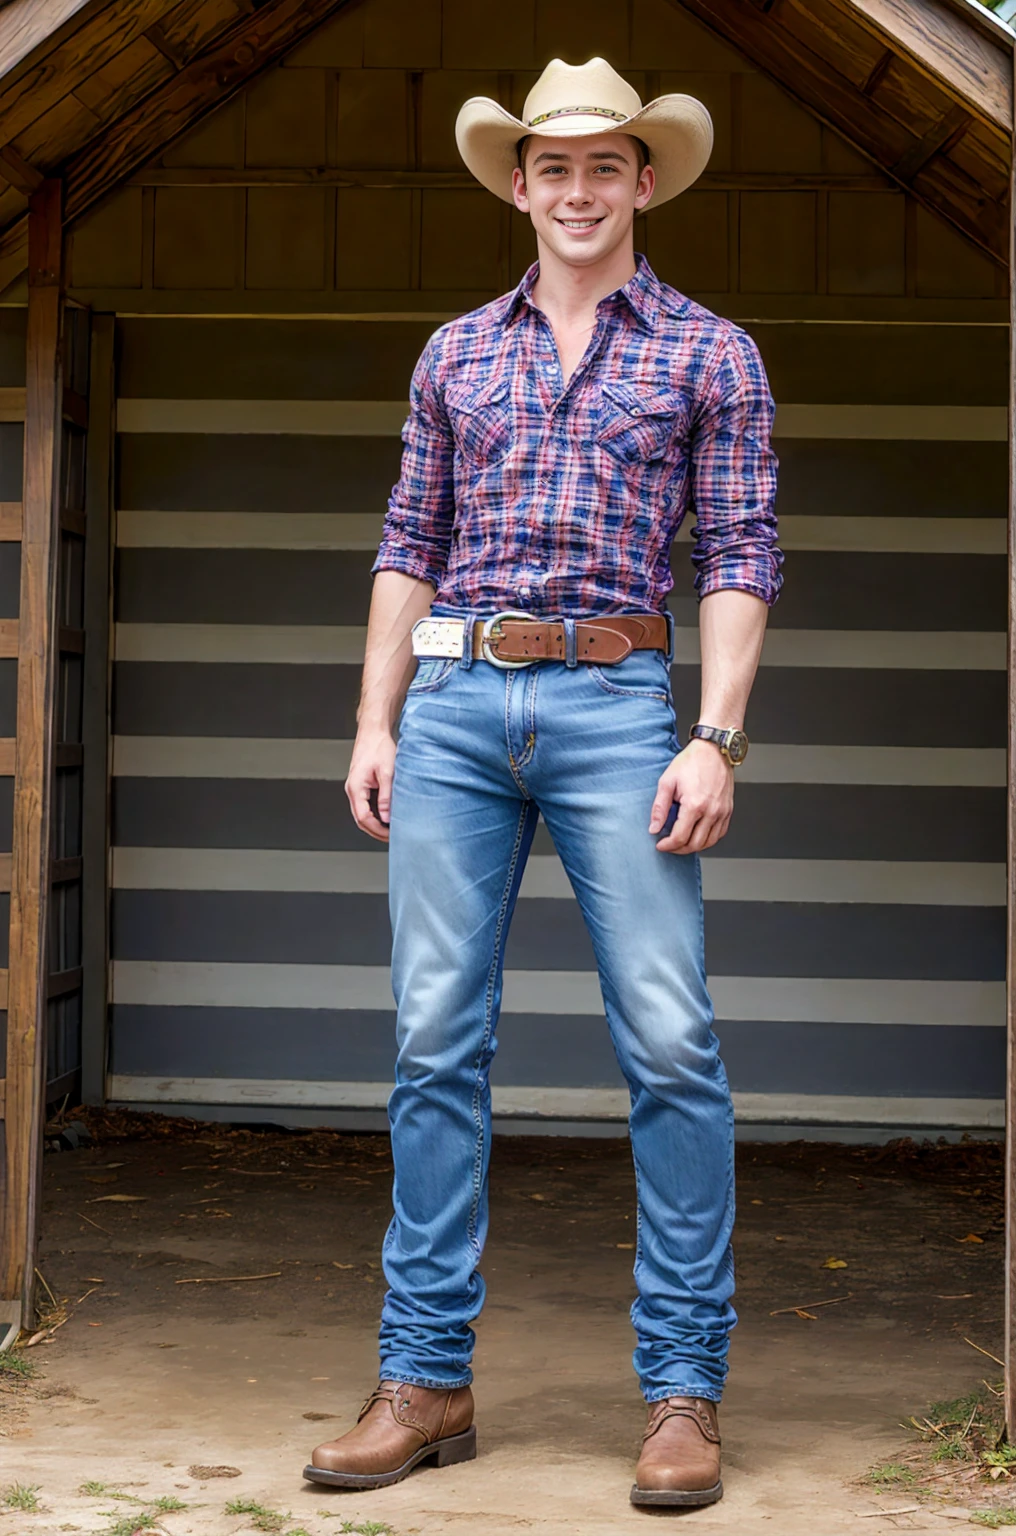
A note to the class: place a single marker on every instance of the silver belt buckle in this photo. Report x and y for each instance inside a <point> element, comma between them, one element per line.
<point>491,631</point>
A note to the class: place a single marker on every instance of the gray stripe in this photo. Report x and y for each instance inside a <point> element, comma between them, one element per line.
<point>881,649</point>
<point>12,439</point>
<point>788,706</point>
<point>275,359</point>
<point>10,577</point>
<point>560,1051</point>
<point>755,939</point>
<point>8,693</point>
<point>917,364</point>
<point>891,479</point>
<point>814,821</point>
<point>269,359</point>
<point>167,472</point>
<point>840,590</point>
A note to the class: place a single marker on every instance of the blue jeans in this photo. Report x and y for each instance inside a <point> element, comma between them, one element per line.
<point>481,751</point>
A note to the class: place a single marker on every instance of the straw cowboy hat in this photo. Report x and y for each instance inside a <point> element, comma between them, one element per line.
<point>575,100</point>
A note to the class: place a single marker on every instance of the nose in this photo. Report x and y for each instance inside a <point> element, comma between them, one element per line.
<point>580,192</point>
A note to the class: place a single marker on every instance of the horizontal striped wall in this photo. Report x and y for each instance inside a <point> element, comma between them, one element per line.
<point>855,912</point>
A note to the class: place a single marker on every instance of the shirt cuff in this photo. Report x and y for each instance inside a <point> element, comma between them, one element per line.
<point>732,581</point>
<point>410,562</point>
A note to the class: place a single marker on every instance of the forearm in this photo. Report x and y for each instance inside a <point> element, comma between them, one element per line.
<point>732,626</point>
<point>397,601</point>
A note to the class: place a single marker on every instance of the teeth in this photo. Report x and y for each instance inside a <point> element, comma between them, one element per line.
<point>579,223</point>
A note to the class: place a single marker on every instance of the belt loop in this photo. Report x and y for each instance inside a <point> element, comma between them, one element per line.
<point>468,625</point>
<point>571,645</point>
<point>670,636</point>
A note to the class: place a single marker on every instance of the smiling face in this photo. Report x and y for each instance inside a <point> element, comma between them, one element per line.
<point>582,193</point>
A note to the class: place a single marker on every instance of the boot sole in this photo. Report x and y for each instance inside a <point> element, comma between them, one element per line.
<point>685,1498</point>
<point>443,1453</point>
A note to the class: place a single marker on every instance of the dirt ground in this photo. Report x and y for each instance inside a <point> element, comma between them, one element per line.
<point>155,1381</point>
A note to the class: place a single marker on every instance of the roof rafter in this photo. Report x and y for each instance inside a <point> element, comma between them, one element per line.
<point>906,82</point>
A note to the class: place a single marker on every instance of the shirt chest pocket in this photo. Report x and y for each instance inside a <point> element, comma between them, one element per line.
<point>638,422</point>
<point>481,420</point>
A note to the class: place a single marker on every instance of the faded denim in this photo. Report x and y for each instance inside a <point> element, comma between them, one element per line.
<point>481,751</point>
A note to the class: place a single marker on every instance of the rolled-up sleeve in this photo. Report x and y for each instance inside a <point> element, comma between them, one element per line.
<point>417,529</point>
<point>733,476</point>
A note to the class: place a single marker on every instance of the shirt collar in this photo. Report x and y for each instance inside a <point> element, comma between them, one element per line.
<point>641,294</point>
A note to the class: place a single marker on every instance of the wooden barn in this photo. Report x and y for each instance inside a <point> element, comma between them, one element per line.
<point>227,228</point>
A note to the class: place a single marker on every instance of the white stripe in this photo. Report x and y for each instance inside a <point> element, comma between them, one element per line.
<point>362,530</point>
<point>564,1103</point>
<point>244,757</point>
<point>332,644</point>
<point>385,418</point>
<point>305,418</point>
<point>215,984</point>
<point>935,423</point>
<point>811,880</point>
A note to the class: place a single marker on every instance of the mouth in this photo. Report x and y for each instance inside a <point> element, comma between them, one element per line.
<point>580,226</point>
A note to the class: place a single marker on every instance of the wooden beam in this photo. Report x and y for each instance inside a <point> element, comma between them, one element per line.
<point>46,82</point>
<point>456,181</point>
<point>248,47</point>
<point>30,863</point>
<point>945,48</point>
<point>27,28</point>
<point>10,522</point>
<point>939,141</point>
<point>22,176</point>
<point>8,637</point>
<point>1009,1346</point>
<point>945,189</point>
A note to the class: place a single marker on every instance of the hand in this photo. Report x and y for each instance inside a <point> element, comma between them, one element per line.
<point>702,780</point>
<point>372,766</point>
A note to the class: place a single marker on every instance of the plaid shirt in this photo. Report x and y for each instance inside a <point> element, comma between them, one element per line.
<point>517,491</point>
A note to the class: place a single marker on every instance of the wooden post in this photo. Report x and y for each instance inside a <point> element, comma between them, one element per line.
<point>1009,1348</point>
<point>33,775</point>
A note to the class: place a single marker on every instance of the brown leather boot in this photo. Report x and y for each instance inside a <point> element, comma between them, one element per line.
<point>680,1461</point>
<point>398,1426</point>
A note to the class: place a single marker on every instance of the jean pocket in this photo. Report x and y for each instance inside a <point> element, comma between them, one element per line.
<point>432,672</point>
<point>643,674</point>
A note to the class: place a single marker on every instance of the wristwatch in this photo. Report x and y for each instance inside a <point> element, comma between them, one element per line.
<point>732,743</point>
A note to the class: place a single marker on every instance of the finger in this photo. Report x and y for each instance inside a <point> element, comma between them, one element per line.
<point>676,840</point>
<point>363,814</point>
<point>384,793</point>
<point>704,836</point>
<point>661,805</point>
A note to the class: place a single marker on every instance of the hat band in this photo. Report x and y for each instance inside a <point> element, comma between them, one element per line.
<point>544,117</point>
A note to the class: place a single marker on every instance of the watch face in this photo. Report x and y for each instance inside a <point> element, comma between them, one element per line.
<point>737,746</point>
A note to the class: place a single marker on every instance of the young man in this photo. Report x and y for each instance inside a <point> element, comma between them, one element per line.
<point>556,439</point>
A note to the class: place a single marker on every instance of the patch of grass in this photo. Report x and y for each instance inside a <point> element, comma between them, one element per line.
<point>1001,1456</point>
<point>953,1449</point>
<point>957,1410</point>
<point>93,1490</point>
<point>892,1474</point>
<point>364,1528</point>
<point>21,1496</point>
<point>129,1525</point>
<point>261,1517</point>
<point>993,1518</point>
<point>14,1367</point>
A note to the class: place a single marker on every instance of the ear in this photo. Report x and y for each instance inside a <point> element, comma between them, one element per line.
<point>645,187</point>
<point>519,192</point>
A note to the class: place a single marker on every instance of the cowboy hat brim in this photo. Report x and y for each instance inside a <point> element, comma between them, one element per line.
<point>677,131</point>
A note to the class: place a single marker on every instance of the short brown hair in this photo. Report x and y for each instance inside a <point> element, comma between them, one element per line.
<point>641,148</point>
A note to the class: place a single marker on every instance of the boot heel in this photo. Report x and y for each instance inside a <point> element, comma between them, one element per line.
<point>456,1448</point>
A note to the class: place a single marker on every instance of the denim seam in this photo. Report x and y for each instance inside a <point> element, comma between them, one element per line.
<point>427,1381</point>
<point>628,693</point>
<point>488,1024</point>
<point>512,764</point>
<point>530,719</point>
<point>435,682</point>
<point>682,1390</point>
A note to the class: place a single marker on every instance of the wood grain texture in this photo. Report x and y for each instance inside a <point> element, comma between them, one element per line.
<point>10,522</point>
<point>12,404</point>
<point>886,122</point>
<point>1009,1346</point>
<point>972,69</point>
<point>208,81</point>
<point>30,872</point>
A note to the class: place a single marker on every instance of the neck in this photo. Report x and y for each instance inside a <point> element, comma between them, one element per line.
<point>572,293</point>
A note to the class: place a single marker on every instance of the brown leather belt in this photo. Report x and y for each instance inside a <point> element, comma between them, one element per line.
<point>605,640</point>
